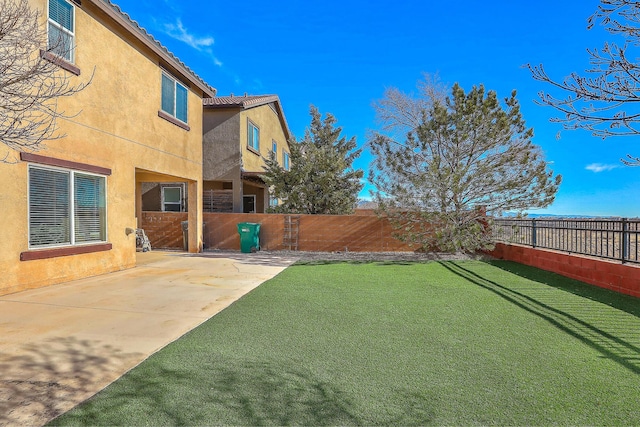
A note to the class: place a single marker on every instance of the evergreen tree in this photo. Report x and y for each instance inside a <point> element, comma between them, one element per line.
<point>321,178</point>
<point>468,154</point>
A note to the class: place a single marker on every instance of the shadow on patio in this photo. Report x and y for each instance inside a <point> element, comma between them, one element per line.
<point>41,381</point>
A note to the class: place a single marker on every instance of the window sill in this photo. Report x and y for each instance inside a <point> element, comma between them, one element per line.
<point>173,120</point>
<point>52,161</point>
<point>67,251</point>
<point>60,62</point>
<point>253,150</point>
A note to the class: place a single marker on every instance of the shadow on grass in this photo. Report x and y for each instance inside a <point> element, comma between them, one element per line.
<point>229,393</point>
<point>265,393</point>
<point>43,380</point>
<point>614,299</point>
<point>612,334</point>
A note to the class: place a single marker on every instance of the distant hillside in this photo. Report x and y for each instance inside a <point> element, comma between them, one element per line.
<point>552,216</point>
<point>367,204</point>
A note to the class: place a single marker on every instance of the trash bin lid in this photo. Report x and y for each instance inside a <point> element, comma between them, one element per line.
<point>248,226</point>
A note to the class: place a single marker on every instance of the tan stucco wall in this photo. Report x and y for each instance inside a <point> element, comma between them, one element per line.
<point>266,119</point>
<point>226,153</point>
<point>221,153</point>
<point>117,127</point>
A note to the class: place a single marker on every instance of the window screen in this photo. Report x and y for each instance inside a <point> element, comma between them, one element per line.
<point>285,160</point>
<point>168,95</point>
<point>49,207</point>
<point>61,28</point>
<point>181,102</point>
<point>89,208</point>
<point>66,207</point>
<point>172,199</point>
<point>174,98</point>
<point>253,137</point>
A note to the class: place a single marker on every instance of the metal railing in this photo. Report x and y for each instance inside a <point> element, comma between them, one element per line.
<point>615,239</point>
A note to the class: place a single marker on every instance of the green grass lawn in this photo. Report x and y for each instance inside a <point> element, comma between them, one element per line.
<point>444,343</point>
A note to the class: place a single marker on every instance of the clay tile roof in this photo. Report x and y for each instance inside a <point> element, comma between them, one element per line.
<point>134,28</point>
<point>248,101</point>
<point>245,101</point>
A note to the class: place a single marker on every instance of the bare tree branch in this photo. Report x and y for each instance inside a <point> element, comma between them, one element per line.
<point>400,113</point>
<point>30,85</point>
<point>604,101</point>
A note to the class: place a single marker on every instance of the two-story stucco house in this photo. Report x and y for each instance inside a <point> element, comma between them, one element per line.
<point>71,207</point>
<point>240,132</point>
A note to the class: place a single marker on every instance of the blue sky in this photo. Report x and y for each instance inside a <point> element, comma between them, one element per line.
<point>341,55</point>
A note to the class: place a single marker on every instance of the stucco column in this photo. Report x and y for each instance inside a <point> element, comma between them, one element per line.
<point>195,216</point>
<point>138,203</point>
<point>265,198</point>
<point>237,196</point>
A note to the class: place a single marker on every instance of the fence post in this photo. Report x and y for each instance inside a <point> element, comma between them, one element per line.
<point>533,232</point>
<point>625,240</point>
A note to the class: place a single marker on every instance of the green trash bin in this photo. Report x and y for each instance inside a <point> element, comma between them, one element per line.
<point>249,237</point>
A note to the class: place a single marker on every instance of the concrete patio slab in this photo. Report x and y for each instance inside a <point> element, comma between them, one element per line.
<point>61,344</point>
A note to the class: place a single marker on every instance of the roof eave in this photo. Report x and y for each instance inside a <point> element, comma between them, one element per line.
<point>243,104</point>
<point>143,36</point>
<point>283,119</point>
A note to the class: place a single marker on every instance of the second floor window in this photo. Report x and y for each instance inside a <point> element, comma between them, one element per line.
<point>174,98</point>
<point>274,148</point>
<point>61,29</point>
<point>285,160</point>
<point>253,137</point>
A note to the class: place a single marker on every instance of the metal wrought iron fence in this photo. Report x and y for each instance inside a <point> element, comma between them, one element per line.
<point>615,239</point>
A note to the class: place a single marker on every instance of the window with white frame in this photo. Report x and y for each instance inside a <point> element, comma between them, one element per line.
<point>274,148</point>
<point>172,199</point>
<point>174,98</point>
<point>61,29</point>
<point>66,207</point>
<point>253,136</point>
<point>285,160</point>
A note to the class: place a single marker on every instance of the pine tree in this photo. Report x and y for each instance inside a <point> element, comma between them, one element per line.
<point>321,179</point>
<point>468,154</point>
